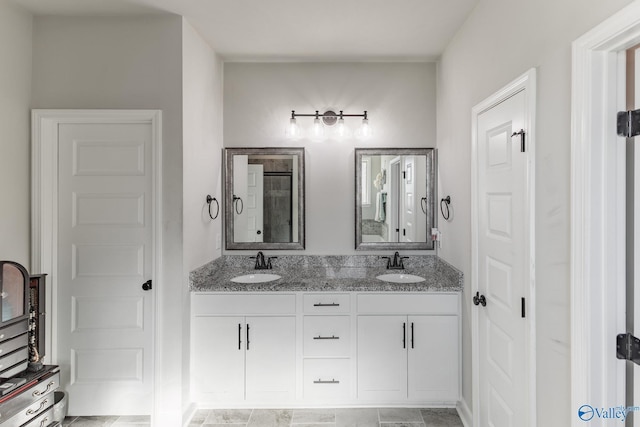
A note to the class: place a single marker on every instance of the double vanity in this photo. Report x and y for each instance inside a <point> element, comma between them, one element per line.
<point>330,330</point>
<point>310,330</point>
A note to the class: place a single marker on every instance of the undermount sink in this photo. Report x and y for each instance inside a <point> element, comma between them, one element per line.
<point>256,278</point>
<point>400,278</point>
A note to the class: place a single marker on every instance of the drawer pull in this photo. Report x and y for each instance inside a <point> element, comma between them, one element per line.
<point>333,381</point>
<point>45,391</point>
<point>44,422</point>
<point>42,405</point>
<point>332,337</point>
<point>331,304</point>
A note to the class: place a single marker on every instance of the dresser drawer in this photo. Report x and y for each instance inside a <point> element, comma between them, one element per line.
<point>42,420</point>
<point>228,303</point>
<point>11,359</point>
<point>33,414</point>
<point>326,379</point>
<point>13,344</point>
<point>326,303</point>
<point>14,330</point>
<point>327,336</point>
<point>16,404</point>
<point>424,303</point>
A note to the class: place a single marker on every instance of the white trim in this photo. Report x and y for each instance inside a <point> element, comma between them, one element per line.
<point>598,211</point>
<point>464,413</point>
<point>44,196</point>
<point>526,82</point>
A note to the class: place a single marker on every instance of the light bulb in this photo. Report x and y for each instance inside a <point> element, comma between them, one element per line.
<point>293,130</point>
<point>317,132</point>
<point>365,130</point>
<point>341,129</point>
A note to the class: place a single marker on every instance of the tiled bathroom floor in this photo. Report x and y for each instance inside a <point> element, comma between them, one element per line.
<point>369,417</point>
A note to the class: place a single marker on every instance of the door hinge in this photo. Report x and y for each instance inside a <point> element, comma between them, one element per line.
<point>628,348</point>
<point>628,123</point>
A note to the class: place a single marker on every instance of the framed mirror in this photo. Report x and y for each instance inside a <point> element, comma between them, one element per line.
<point>395,198</point>
<point>264,198</point>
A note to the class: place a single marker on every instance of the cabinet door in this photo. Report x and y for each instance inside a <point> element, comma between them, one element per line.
<point>218,357</point>
<point>382,358</point>
<point>433,358</point>
<point>271,358</point>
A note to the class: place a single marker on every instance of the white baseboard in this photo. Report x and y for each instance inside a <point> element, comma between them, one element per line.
<point>188,414</point>
<point>465,413</point>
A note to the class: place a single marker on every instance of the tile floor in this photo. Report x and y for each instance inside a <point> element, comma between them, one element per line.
<point>369,417</point>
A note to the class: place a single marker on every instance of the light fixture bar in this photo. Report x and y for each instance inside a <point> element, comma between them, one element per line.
<point>326,114</point>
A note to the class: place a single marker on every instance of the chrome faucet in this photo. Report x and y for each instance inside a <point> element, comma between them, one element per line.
<point>260,262</point>
<point>397,263</point>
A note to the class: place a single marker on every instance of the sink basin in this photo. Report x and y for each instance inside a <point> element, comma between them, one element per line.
<point>400,278</point>
<point>256,278</point>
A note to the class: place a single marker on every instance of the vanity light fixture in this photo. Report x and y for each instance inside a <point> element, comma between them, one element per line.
<point>328,118</point>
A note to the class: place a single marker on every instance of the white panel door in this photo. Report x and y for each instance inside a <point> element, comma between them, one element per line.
<point>382,358</point>
<point>270,358</point>
<point>433,358</point>
<point>255,203</point>
<point>218,358</point>
<point>105,252</point>
<point>501,190</point>
<point>408,209</point>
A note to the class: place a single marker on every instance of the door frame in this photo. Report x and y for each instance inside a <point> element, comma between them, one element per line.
<point>44,208</point>
<point>598,210</point>
<point>526,81</point>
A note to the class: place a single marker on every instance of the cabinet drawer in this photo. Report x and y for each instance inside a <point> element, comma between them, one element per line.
<point>326,379</point>
<point>43,420</point>
<point>13,344</point>
<point>13,330</point>
<point>20,401</point>
<point>228,303</point>
<point>433,303</point>
<point>34,413</point>
<point>327,336</point>
<point>326,303</point>
<point>11,359</point>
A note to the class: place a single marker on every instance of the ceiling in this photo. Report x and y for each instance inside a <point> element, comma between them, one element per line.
<point>299,30</point>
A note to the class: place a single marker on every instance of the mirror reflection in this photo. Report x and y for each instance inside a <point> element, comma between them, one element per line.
<point>394,198</point>
<point>264,198</point>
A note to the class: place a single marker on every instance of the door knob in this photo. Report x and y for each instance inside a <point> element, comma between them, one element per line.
<point>479,299</point>
<point>147,285</point>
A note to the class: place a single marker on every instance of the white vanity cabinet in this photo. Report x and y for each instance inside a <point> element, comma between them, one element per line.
<point>408,348</point>
<point>243,347</point>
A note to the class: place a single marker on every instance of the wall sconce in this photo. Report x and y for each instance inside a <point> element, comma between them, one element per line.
<point>328,119</point>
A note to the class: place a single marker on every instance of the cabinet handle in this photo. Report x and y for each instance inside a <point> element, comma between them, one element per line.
<point>404,335</point>
<point>44,422</point>
<point>331,304</point>
<point>332,337</point>
<point>42,405</point>
<point>239,336</point>
<point>333,381</point>
<point>247,337</point>
<point>411,334</point>
<point>40,393</point>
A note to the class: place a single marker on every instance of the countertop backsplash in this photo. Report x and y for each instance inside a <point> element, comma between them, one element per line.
<point>346,273</point>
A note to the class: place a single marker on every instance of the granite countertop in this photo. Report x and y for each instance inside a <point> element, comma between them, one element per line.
<point>303,273</point>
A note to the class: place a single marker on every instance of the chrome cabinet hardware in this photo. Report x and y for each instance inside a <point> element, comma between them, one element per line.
<point>332,381</point>
<point>239,336</point>
<point>412,335</point>
<point>44,422</point>
<point>332,304</point>
<point>45,391</point>
<point>247,337</point>
<point>404,335</point>
<point>42,405</point>
<point>320,337</point>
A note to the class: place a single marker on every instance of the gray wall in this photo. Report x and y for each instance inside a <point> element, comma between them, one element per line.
<point>129,63</point>
<point>15,161</point>
<point>399,97</point>
<point>500,41</point>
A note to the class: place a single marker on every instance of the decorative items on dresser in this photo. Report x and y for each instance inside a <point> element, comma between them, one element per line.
<point>27,387</point>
